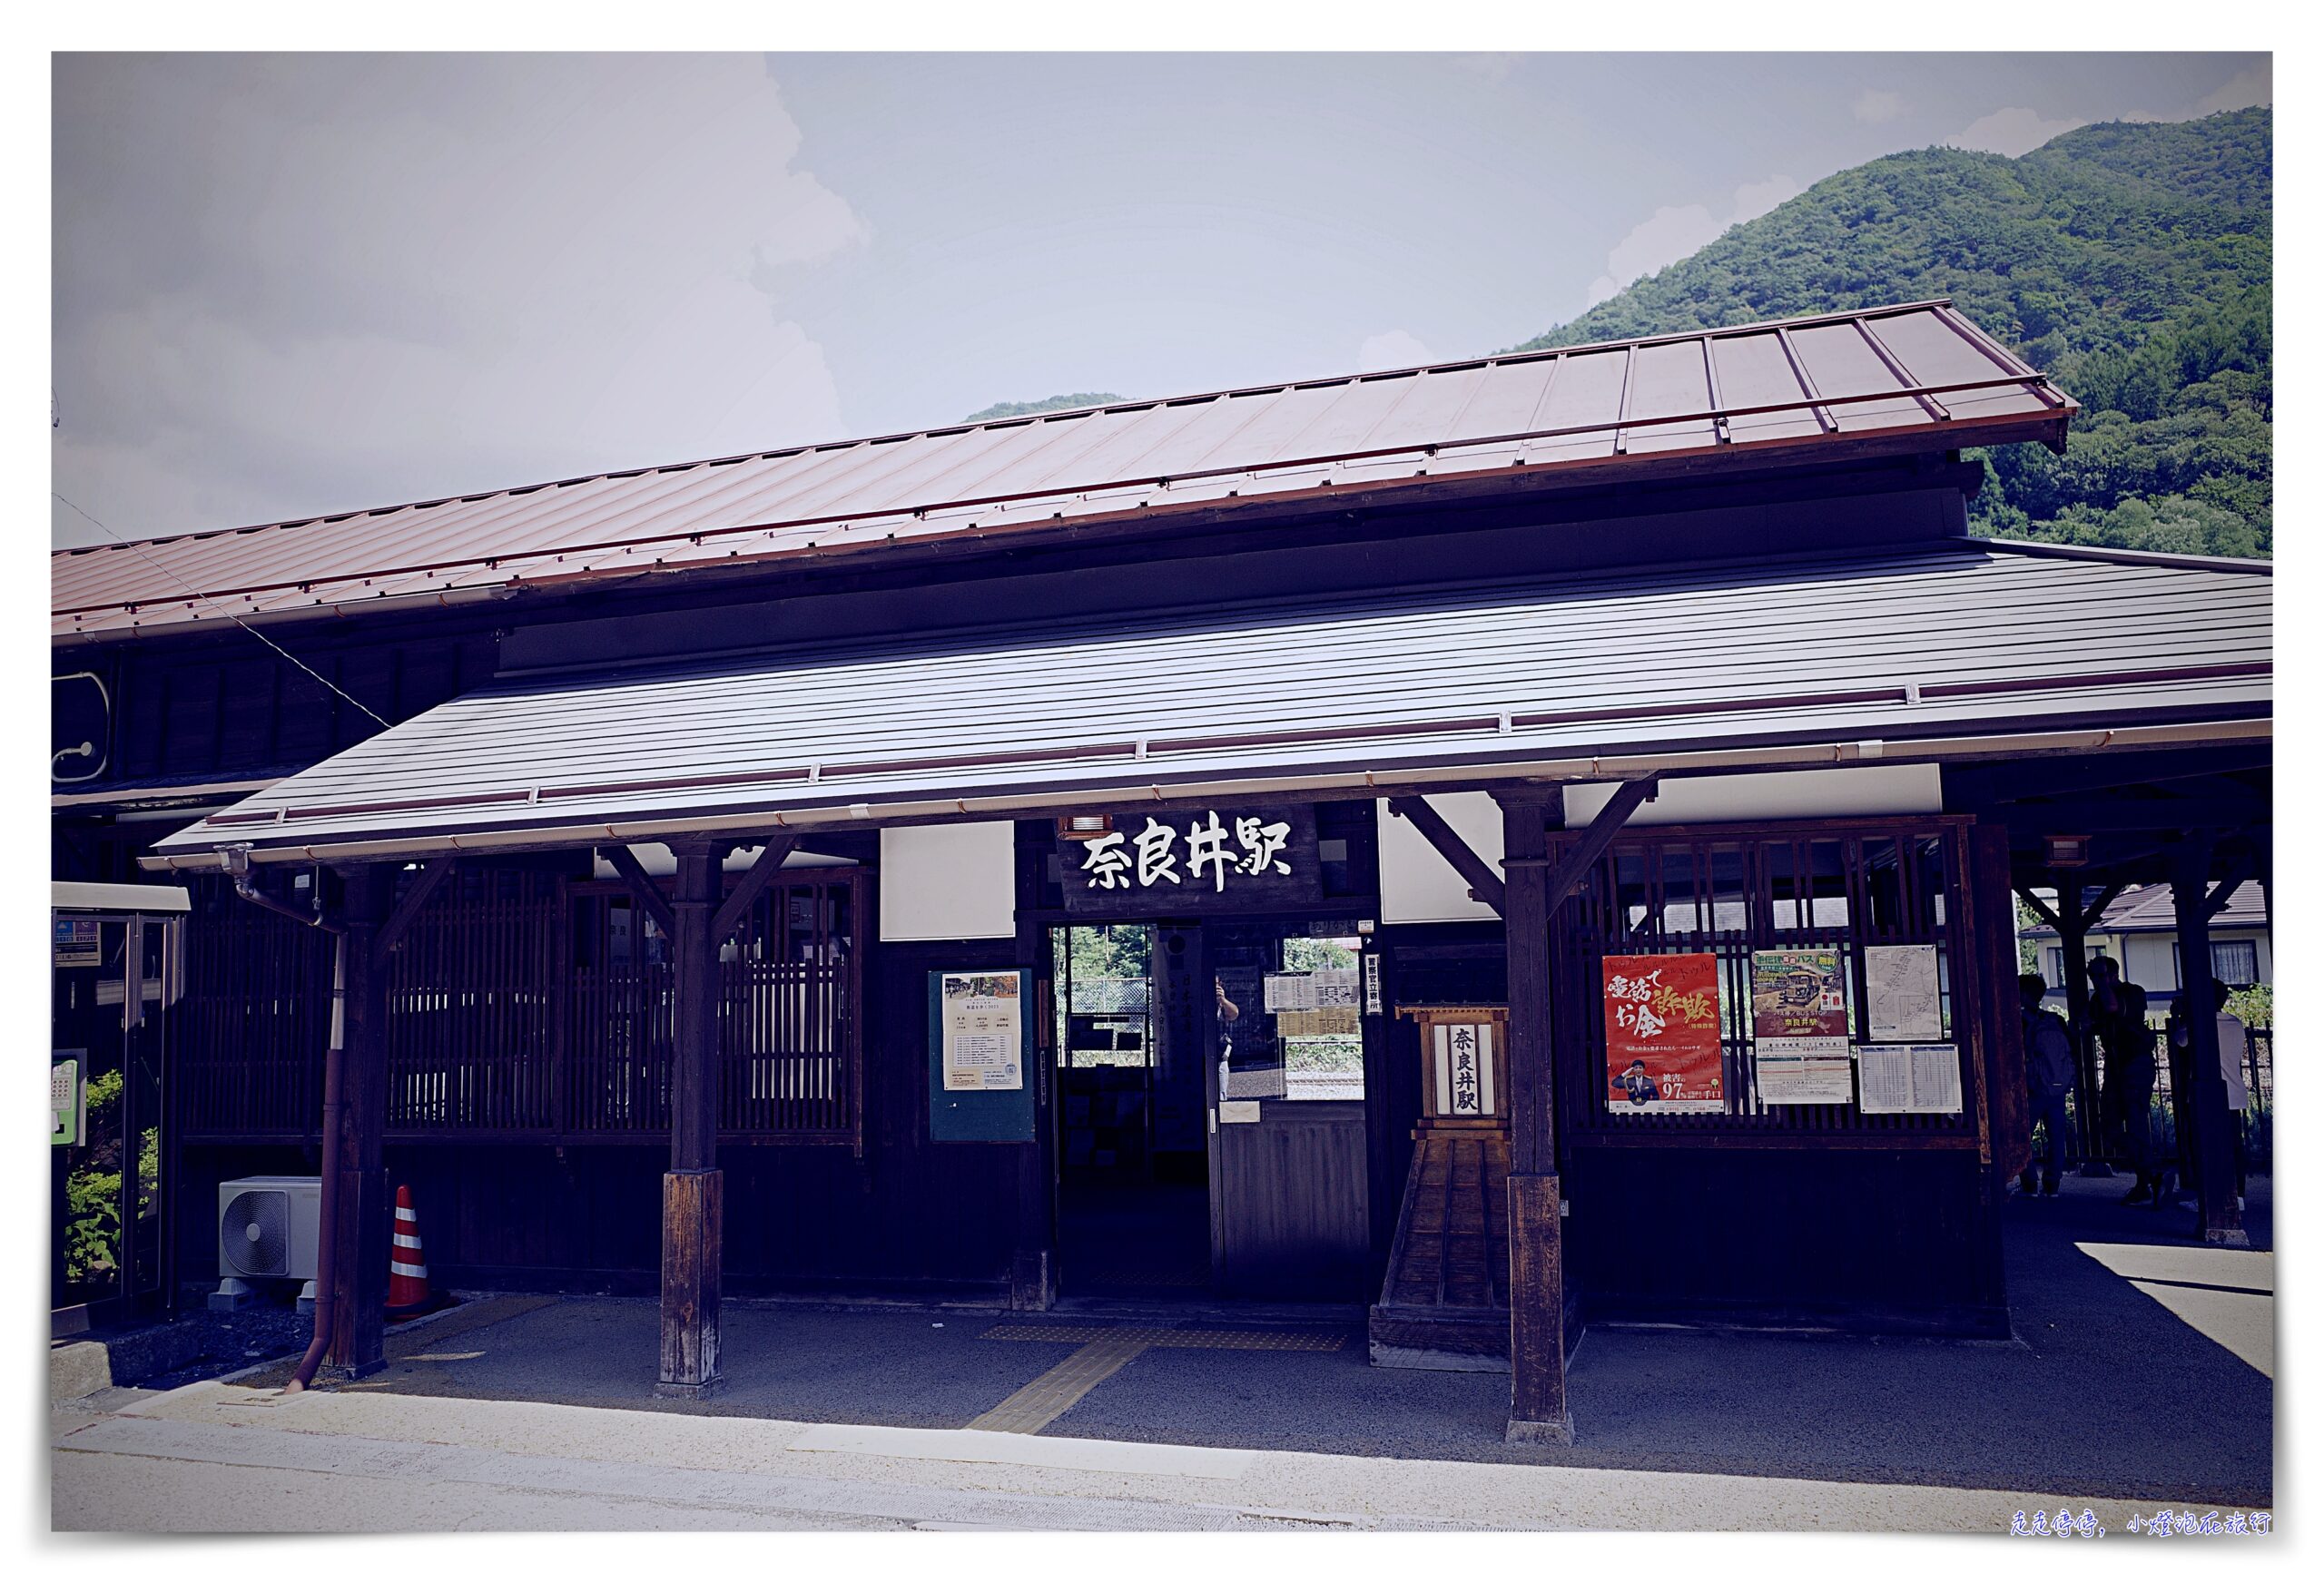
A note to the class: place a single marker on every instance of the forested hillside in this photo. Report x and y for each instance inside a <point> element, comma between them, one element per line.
<point>2133,261</point>
<point>1046,404</point>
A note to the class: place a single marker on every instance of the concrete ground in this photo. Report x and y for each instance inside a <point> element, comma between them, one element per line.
<point>2142,1375</point>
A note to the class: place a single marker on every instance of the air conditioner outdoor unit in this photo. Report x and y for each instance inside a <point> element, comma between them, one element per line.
<point>269,1229</point>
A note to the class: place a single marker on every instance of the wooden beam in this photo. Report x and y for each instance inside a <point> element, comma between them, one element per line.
<point>2217,1217</point>
<point>432,876</point>
<point>2040,908</point>
<point>1981,783</point>
<point>693,1190</point>
<point>364,1212</point>
<point>641,889</point>
<point>1484,884</point>
<point>2097,816</point>
<point>1575,864</point>
<point>2106,898</point>
<point>2240,873</point>
<point>753,885</point>
<point>1538,1411</point>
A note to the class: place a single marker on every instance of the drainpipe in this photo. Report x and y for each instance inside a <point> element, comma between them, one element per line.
<point>334,1104</point>
<point>334,1109</point>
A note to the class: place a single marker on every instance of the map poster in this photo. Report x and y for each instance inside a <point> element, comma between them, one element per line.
<point>984,1031</point>
<point>1900,994</point>
<point>1662,1028</point>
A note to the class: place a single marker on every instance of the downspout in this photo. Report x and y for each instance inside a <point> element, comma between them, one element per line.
<point>334,1104</point>
<point>334,1107</point>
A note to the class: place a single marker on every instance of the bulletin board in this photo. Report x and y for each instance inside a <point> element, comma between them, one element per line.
<point>982,1051</point>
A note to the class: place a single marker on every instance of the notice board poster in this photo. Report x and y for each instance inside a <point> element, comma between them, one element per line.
<point>1900,994</point>
<point>1662,1045</point>
<point>1910,1080</point>
<point>1799,1027</point>
<point>984,1031</point>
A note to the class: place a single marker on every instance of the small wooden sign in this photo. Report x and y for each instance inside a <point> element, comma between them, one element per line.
<point>1464,1058</point>
<point>1193,863</point>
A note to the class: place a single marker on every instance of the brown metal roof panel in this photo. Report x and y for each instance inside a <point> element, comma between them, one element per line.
<point>1754,372</point>
<point>1432,411</point>
<point>1843,364</point>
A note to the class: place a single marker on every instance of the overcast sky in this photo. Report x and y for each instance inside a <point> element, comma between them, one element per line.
<point>288,285</point>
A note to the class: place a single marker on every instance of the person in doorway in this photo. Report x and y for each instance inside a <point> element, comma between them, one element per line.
<point>2118,1015</point>
<point>2049,1077</point>
<point>2233,1040</point>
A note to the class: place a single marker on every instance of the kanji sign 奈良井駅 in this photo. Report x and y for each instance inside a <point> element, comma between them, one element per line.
<point>1209,860</point>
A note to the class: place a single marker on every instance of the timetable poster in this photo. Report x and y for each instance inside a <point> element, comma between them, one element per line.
<point>1662,1044</point>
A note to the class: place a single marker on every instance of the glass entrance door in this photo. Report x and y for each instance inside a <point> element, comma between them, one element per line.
<point>1289,1201</point>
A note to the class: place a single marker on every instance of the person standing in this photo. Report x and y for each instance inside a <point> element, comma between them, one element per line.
<point>2118,1015</point>
<point>2048,1076</point>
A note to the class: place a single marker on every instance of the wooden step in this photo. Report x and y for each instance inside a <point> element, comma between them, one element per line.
<point>1445,1302</point>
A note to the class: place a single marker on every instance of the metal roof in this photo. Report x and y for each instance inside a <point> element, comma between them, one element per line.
<point>1916,376</point>
<point>1475,679</point>
<point>2147,909</point>
<point>88,896</point>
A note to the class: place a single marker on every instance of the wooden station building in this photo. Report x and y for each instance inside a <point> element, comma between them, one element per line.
<point>1505,845</point>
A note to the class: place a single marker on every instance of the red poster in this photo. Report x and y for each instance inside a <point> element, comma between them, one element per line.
<point>1662,1049</point>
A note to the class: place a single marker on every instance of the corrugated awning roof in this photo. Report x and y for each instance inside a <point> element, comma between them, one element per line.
<point>1912,377</point>
<point>1476,680</point>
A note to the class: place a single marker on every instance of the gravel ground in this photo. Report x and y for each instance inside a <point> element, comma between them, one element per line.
<point>220,1343</point>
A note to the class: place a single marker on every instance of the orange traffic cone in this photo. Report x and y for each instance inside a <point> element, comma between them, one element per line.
<point>406,1265</point>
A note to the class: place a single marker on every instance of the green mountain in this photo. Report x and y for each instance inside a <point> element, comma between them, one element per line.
<point>1046,404</point>
<point>2131,260</point>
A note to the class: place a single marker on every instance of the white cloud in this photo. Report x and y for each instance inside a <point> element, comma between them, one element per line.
<point>377,279</point>
<point>2252,86</point>
<point>2012,131</point>
<point>1669,234</point>
<point>1391,348</point>
<point>1878,105</point>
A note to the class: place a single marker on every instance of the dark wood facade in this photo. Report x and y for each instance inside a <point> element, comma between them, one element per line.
<point>528,1022</point>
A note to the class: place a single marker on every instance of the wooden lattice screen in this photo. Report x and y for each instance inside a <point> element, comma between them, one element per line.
<point>1730,892</point>
<point>252,1022</point>
<point>526,1007</point>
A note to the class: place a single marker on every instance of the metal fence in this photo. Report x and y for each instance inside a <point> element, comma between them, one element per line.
<point>2162,1117</point>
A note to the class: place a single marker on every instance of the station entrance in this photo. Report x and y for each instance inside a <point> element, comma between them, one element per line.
<point>1210,1137</point>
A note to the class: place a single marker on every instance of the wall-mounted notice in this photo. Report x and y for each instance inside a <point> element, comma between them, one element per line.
<point>1799,1026</point>
<point>1894,1080</point>
<point>1311,991</point>
<point>1804,1071</point>
<point>1663,1048</point>
<point>1900,993</point>
<point>984,1031</point>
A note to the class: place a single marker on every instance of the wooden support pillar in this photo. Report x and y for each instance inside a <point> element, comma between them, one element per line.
<point>2073,938</point>
<point>360,1283</point>
<point>692,1192</point>
<point>2216,1214</point>
<point>1032,1262</point>
<point>1538,1413</point>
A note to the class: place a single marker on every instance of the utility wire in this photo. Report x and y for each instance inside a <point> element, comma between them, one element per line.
<point>220,609</point>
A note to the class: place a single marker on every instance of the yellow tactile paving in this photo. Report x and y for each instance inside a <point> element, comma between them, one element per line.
<point>1103,1352</point>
